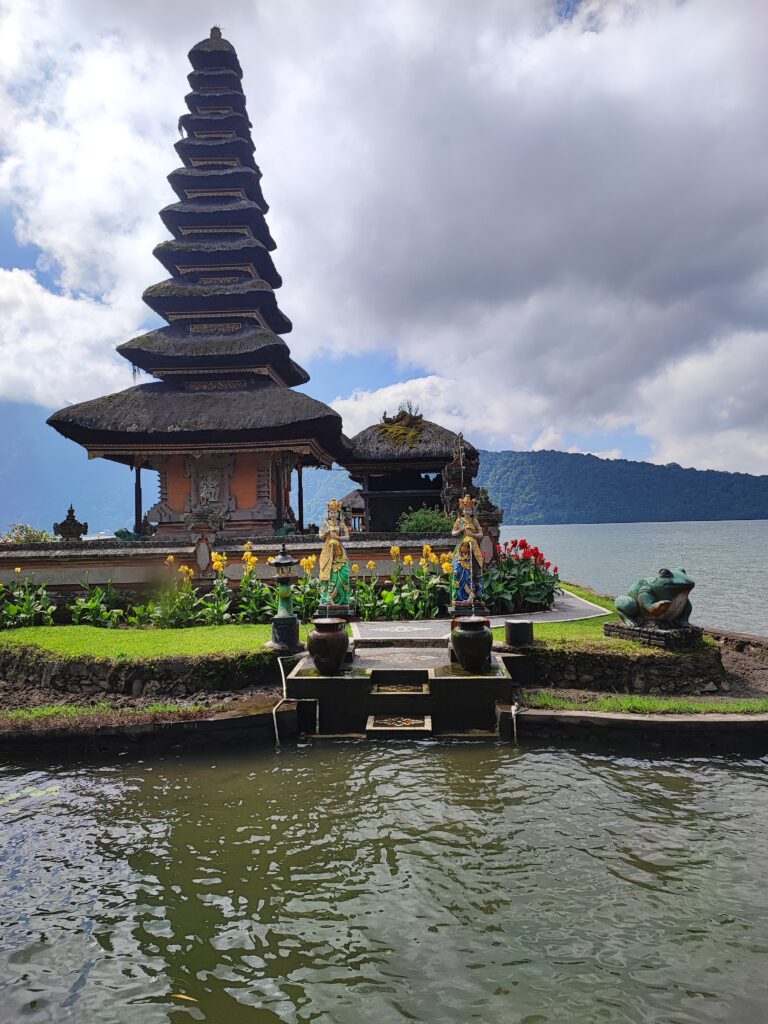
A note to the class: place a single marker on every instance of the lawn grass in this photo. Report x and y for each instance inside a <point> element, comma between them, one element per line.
<point>82,718</point>
<point>128,644</point>
<point>642,705</point>
<point>588,631</point>
<point>84,710</point>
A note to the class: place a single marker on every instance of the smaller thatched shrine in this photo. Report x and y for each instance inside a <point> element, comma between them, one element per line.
<point>407,462</point>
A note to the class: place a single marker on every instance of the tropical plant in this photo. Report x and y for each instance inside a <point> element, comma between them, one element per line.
<point>177,604</point>
<point>140,614</point>
<point>424,520</point>
<point>214,606</point>
<point>306,592</point>
<point>521,580</point>
<point>99,607</point>
<point>257,600</point>
<point>24,604</point>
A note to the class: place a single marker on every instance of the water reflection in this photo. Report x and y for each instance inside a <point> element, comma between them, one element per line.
<point>404,882</point>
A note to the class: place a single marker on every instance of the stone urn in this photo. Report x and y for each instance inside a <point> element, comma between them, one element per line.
<point>327,644</point>
<point>472,639</point>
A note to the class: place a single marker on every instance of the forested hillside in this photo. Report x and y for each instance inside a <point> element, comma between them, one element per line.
<point>559,487</point>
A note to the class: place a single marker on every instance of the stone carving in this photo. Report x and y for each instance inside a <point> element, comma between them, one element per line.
<point>661,603</point>
<point>209,487</point>
<point>70,528</point>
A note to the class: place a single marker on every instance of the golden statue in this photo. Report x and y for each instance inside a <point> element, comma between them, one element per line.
<point>334,564</point>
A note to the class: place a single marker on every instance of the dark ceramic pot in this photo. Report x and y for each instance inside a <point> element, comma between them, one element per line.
<point>472,640</point>
<point>327,643</point>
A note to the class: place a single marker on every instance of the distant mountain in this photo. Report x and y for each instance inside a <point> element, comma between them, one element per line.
<point>559,487</point>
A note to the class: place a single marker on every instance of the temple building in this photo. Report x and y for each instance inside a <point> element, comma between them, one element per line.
<point>221,423</point>
<point>407,462</point>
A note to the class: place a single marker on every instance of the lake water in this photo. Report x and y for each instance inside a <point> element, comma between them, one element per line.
<point>728,561</point>
<point>417,882</point>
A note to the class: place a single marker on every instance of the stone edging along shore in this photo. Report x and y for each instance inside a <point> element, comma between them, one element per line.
<point>170,677</point>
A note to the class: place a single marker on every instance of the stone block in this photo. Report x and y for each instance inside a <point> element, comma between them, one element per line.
<point>518,632</point>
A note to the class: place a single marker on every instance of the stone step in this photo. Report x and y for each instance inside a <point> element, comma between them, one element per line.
<point>398,726</point>
<point>400,698</point>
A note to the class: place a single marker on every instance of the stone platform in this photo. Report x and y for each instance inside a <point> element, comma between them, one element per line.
<point>401,692</point>
<point>655,636</point>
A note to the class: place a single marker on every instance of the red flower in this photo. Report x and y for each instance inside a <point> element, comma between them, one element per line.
<point>547,565</point>
<point>523,543</point>
<point>555,570</point>
<point>513,543</point>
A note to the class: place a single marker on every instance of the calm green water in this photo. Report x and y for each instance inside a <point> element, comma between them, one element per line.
<point>386,883</point>
<point>728,560</point>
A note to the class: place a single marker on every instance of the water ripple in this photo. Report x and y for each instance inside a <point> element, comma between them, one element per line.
<point>432,882</point>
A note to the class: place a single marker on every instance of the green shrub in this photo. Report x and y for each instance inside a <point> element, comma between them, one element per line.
<point>24,604</point>
<point>424,520</point>
<point>99,607</point>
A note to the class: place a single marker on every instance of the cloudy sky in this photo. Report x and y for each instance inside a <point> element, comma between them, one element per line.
<point>543,221</point>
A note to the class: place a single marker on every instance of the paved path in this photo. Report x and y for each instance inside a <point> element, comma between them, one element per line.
<point>567,607</point>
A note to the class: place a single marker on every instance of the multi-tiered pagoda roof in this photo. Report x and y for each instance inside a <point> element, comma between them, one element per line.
<point>224,373</point>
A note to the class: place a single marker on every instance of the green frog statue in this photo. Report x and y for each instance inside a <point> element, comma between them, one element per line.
<point>661,602</point>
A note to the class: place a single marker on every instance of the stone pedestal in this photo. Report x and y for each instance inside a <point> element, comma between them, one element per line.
<point>285,635</point>
<point>655,636</point>
<point>460,611</point>
<point>334,611</point>
<point>518,632</point>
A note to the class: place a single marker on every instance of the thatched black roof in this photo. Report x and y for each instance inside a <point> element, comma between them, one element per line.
<point>173,347</point>
<point>232,213</point>
<point>214,53</point>
<point>354,501</point>
<point>404,440</point>
<point>163,413</point>
<point>234,121</point>
<point>246,178</point>
<point>174,296</point>
<point>190,149</point>
<point>229,251</point>
<point>223,97</point>
<point>214,78</point>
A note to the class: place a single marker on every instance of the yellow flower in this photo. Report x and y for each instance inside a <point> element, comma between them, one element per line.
<point>355,567</point>
<point>433,558</point>
<point>408,560</point>
<point>17,570</point>
<point>247,548</point>
<point>426,550</point>
<point>370,565</point>
<point>446,567</point>
<point>170,560</point>
<point>270,560</point>
<point>218,561</point>
<point>423,563</point>
<point>394,551</point>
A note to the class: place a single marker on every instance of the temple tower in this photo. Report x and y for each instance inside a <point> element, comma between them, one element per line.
<point>221,424</point>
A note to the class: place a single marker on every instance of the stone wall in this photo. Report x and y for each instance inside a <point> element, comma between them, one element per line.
<point>690,672</point>
<point>26,668</point>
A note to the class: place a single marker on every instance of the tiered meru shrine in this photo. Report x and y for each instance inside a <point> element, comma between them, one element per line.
<point>222,423</point>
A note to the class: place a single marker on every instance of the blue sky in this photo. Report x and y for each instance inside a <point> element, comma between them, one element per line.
<point>543,223</point>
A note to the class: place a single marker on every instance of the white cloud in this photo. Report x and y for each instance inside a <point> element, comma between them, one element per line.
<point>546,221</point>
